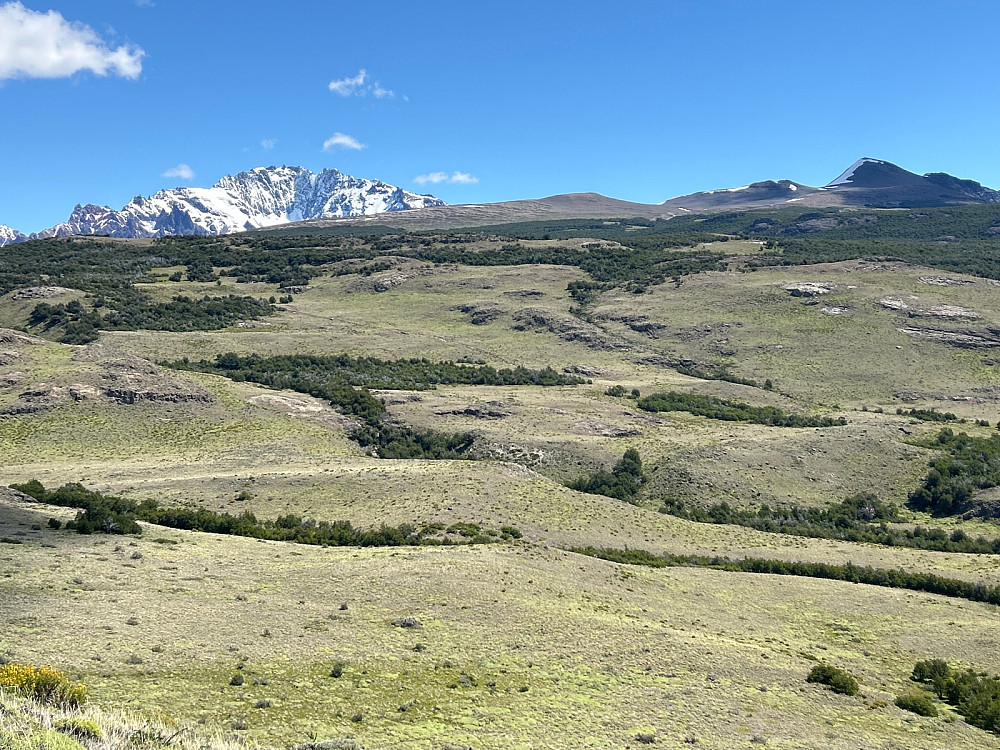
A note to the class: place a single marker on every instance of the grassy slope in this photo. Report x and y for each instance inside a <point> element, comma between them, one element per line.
<point>720,657</point>
<point>522,616</point>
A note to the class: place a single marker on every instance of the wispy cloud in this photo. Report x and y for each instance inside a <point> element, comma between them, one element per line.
<point>269,143</point>
<point>145,3</point>
<point>46,45</point>
<point>181,171</point>
<point>361,85</point>
<point>455,178</point>
<point>342,140</point>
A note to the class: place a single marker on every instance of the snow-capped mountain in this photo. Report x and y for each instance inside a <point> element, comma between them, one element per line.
<point>9,236</point>
<point>871,183</point>
<point>262,197</point>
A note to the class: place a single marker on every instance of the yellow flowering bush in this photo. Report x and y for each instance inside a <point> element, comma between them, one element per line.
<point>42,683</point>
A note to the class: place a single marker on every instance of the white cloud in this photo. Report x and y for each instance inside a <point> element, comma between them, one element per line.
<point>455,178</point>
<point>46,45</point>
<point>269,143</point>
<point>342,140</point>
<point>361,85</point>
<point>181,171</point>
<point>349,86</point>
<point>434,178</point>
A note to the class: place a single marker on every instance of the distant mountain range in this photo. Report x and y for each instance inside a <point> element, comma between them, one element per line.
<point>870,183</point>
<point>262,197</point>
<point>272,197</point>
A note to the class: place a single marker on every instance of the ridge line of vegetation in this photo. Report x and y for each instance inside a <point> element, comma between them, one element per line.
<point>109,514</point>
<point>344,382</point>
<point>929,583</point>
<point>731,411</point>
<point>861,518</point>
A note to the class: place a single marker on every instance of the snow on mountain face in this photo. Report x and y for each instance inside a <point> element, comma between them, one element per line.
<point>262,197</point>
<point>9,236</point>
<point>848,175</point>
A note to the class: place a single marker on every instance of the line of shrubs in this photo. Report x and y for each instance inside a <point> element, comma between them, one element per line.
<point>897,579</point>
<point>116,515</point>
<point>859,518</point>
<point>732,411</point>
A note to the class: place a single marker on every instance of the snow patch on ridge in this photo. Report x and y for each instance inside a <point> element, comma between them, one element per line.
<point>848,176</point>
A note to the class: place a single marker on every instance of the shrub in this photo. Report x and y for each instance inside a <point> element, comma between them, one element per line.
<point>84,728</point>
<point>918,702</point>
<point>236,680</point>
<point>838,680</point>
<point>42,683</point>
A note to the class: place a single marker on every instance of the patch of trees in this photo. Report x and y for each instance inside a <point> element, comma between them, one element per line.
<point>975,695</point>
<point>860,518</point>
<point>344,382</point>
<point>724,375</point>
<point>732,411</point>
<point>897,579</point>
<point>623,482</point>
<point>929,415</point>
<point>968,464</point>
<point>133,312</point>
<point>116,515</point>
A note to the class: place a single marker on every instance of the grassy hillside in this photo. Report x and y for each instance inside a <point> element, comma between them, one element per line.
<point>516,643</point>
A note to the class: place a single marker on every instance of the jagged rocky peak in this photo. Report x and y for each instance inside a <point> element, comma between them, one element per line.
<point>261,197</point>
<point>9,236</point>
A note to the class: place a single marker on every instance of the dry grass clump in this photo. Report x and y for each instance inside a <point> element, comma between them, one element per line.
<point>27,723</point>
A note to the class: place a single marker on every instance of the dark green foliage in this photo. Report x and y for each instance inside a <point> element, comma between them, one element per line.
<point>288,528</point>
<point>918,702</point>
<point>860,518</point>
<point>99,514</point>
<point>976,696</point>
<point>731,411</point>
<point>719,374</point>
<point>838,680</point>
<point>618,391</point>
<point>929,415</point>
<point>969,464</point>
<point>134,312</point>
<point>344,381</point>
<point>896,579</point>
<point>931,670</point>
<point>622,482</point>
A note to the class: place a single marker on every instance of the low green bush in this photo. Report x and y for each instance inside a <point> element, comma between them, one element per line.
<point>838,680</point>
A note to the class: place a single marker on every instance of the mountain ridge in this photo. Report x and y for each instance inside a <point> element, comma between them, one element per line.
<point>294,197</point>
<point>260,197</point>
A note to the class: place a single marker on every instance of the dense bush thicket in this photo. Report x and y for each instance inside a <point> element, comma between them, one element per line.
<point>896,579</point>
<point>731,411</point>
<point>623,482</point>
<point>116,515</point>
<point>968,464</point>
<point>929,415</point>
<point>134,312</point>
<point>344,382</point>
<point>974,695</point>
<point>838,680</point>
<point>860,518</point>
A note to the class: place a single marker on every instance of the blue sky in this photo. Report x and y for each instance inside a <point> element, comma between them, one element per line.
<point>105,99</point>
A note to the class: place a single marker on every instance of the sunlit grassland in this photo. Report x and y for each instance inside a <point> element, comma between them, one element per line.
<point>516,643</point>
